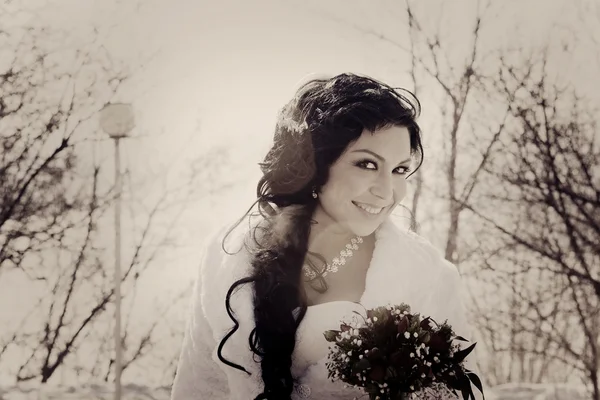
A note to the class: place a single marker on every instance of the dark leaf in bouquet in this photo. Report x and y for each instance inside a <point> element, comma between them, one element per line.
<point>451,381</point>
<point>396,357</point>
<point>375,355</point>
<point>383,315</point>
<point>382,318</point>
<point>376,312</point>
<point>438,343</point>
<point>345,327</point>
<point>377,373</point>
<point>389,325</point>
<point>424,337</point>
<point>331,336</point>
<point>372,388</point>
<point>390,373</point>
<point>404,307</point>
<point>365,332</point>
<point>446,331</point>
<point>427,324</point>
<point>465,394</point>
<point>425,370</point>
<point>477,382</point>
<point>360,366</point>
<point>414,323</point>
<point>465,387</point>
<point>462,339</point>
<point>459,356</point>
<point>401,359</point>
<point>402,325</point>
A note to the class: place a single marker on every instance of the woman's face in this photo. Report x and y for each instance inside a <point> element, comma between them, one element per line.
<point>366,182</point>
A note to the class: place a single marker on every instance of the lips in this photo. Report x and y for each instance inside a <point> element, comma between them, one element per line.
<point>369,209</point>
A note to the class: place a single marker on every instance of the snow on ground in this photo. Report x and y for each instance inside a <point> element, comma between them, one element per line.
<point>101,391</point>
<point>538,391</point>
<point>104,391</point>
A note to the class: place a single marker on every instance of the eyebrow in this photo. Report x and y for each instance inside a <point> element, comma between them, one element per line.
<point>380,158</point>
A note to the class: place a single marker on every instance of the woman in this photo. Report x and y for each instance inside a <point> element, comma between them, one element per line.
<point>342,151</point>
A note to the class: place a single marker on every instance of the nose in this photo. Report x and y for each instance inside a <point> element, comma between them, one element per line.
<point>383,187</point>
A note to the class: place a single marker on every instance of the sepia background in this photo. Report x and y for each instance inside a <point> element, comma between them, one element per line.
<point>509,191</point>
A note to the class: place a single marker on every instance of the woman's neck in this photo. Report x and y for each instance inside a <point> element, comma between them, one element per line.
<point>327,237</point>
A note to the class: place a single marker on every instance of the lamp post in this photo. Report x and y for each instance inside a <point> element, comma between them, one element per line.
<point>117,120</point>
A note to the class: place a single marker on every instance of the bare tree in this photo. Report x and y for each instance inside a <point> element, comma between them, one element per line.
<point>73,317</point>
<point>547,179</point>
<point>44,104</point>
<point>515,324</point>
<point>50,198</point>
<point>460,87</point>
<point>477,104</point>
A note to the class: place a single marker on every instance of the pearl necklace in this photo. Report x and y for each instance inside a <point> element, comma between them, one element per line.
<point>345,254</point>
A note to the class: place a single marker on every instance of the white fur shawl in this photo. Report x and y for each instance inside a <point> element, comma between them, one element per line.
<point>404,268</point>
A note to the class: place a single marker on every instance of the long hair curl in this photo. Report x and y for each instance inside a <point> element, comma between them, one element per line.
<point>311,133</point>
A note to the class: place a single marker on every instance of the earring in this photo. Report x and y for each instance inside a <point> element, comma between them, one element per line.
<point>314,194</point>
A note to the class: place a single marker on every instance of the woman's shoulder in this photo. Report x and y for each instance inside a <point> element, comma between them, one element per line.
<point>230,237</point>
<point>227,261</point>
<point>414,244</point>
<point>227,255</point>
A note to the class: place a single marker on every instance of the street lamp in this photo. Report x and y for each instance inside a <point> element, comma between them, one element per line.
<point>116,119</point>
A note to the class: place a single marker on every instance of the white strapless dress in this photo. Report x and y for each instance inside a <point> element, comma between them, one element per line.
<point>310,353</point>
<point>404,268</point>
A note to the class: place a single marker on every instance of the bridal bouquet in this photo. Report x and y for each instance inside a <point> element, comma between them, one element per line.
<point>392,354</point>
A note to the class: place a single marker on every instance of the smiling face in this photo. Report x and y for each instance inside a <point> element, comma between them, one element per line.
<point>366,183</point>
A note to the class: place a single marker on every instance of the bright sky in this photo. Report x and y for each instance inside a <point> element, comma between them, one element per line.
<point>223,69</point>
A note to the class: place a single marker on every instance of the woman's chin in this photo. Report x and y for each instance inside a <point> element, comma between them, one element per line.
<point>364,229</point>
<point>366,226</point>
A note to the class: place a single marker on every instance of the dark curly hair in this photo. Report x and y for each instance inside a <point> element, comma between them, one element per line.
<point>312,131</point>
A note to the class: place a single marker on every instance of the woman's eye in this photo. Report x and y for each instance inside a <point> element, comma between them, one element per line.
<point>366,165</point>
<point>403,170</point>
<point>371,165</point>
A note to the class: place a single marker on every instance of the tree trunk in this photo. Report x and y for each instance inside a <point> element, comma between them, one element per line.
<point>415,199</point>
<point>594,381</point>
<point>454,208</point>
